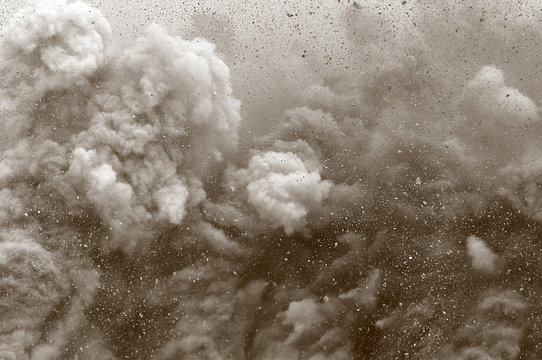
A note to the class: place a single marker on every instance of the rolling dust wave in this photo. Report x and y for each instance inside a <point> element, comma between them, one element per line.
<point>390,211</point>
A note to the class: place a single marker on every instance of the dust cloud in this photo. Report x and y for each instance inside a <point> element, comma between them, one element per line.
<point>376,197</point>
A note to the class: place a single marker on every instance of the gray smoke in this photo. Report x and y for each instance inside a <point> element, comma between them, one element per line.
<point>375,197</point>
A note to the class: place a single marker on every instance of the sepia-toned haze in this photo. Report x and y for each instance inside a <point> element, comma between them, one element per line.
<point>314,180</point>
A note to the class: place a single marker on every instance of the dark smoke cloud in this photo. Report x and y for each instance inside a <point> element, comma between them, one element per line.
<point>376,196</point>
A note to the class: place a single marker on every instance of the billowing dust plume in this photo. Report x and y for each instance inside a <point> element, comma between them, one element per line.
<point>390,211</point>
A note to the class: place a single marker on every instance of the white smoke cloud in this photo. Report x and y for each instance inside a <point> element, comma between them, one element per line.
<point>165,116</point>
<point>499,113</point>
<point>499,101</point>
<point>56,43</point>
<point>482,257</point>
<point>282,188</point>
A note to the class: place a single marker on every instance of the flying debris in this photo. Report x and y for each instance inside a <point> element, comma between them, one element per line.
<point>356,5</point>
<point>166,197</point>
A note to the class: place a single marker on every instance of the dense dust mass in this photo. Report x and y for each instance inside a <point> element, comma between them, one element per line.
<point>374,194</point>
